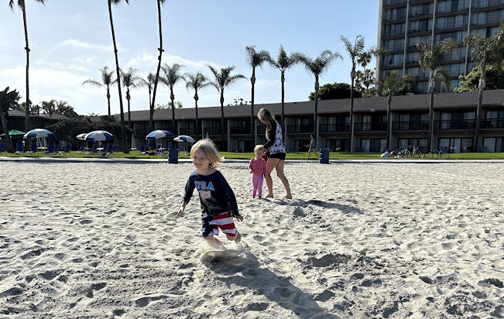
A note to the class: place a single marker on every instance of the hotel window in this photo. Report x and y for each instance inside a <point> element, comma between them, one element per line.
<point>413,57</point>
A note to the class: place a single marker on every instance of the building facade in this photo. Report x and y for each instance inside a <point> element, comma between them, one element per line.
<point>454,123</point>
<point>404,23</point>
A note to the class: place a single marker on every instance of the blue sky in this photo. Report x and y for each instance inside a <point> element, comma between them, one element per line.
<point>71,40</point>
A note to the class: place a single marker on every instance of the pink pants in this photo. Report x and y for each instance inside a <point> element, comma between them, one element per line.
<point>257,181</point>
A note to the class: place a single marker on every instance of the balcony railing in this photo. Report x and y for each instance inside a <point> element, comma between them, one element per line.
<point>365,127</point>
<point>187,131</point>
<point>330,128</point>
<point>212,130</point>
<point>410,126</point>
<point>455,125</point>
<point>492,123</point>
<point>300,128</point>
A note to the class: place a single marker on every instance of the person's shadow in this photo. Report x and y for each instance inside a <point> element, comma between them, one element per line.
<point>247,272</point>
<point>330,204</point>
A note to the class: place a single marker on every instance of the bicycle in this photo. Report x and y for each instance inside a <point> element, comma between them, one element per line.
<point>439,153</point>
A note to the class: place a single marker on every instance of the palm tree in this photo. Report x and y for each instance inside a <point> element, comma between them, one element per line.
<point>485,52</point>
<point>223,79</point>
<point>196,82</point>
<point>7,100</point>
<point>172,76</point>
<point>255,59</point>
<point>118,69</point>
<point>49,107</point>
<point>22,5</point>
<point>317,67</point>
<point>156,78</point>
<point>107,82</point>
<point>355,51</point>
<point>284,62</point>
<point>431,57</point>
<point>149,83</point>
<point>390,87</point>
<point>63,108</point>
<point>130,81</point>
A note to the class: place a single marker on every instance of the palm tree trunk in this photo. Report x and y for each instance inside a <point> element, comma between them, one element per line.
<point>479,109</point>
<point>224,146</point>
<point>252,81</point>
<point>196,109</point>
<point>284,130</point>
<point>129,108</point>
<point>156,80</point>
<point>108,99</point>
<point>172,98</point>
<point>352,118</point>
<point>315,114</point>
<point>27,48</point>
<point>389,121</point>
<point>121,107</point>
<point>430,139</point>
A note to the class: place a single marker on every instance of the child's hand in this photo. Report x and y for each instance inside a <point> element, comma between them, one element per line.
<point>181,211</point>
<point>239,217</point>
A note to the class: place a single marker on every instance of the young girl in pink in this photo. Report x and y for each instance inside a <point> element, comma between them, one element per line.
<point>257,167</point>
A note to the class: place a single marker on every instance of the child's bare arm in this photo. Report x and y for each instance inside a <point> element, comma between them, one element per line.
<point>181,211</point>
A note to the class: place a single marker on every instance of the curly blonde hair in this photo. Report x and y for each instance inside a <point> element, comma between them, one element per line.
<point>208,148</point>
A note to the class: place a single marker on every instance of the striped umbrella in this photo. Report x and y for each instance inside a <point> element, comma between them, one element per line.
<point>184,138</point>
<point>99,136</point>
<point>159,134</point>
<point>38,132</point>
<point>81,136</point>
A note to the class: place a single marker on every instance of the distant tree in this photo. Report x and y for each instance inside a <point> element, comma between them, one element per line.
<point>130,81</point>
<point>49,107</point>
<point>196,82</point>
<point>8,99</point>
<point>64,109</point>
<point>364,80</point>
<point>484,52</point>
<point>167,106</point>
<point>107,81</point>
<point>333,91</point>
<point>34,110</point>
<point>124,147</point>
<point>494,80</point>
<point>156,77</point>
<point>22,5</point>
<point>316,67</point>
<point>394,85</point>
<point>255,59</point>
<point>223,78</point>
<point>171,76</point>
<point>431,58</point>
<point>239,101</point>
<point>67,129</point>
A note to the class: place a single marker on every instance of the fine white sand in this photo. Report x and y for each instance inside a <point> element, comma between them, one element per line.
<point>99,240</point>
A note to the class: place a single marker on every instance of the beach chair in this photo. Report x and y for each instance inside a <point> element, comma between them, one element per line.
<point>81,149</point>
<point>142,149</point>
<point>95,146</point>
<point>50,149</point>
<point>3,148</point>
<point>19,148</point>
<point>67,149</point>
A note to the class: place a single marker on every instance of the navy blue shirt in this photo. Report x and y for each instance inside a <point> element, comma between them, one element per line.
<point>215,195</point>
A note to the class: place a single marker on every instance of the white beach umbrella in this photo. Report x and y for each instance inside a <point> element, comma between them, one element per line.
<point>159,134</point>
<point>99,136</point>
<point>38,132</point>
<point>81,136</point>
<point>184,138</point>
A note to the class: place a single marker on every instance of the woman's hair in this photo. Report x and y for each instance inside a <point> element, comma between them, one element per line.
<point>258,147</point>
<point>208,148</point>
<point>264,115</point>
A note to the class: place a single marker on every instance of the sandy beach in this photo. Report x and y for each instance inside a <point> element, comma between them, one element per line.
<point>359,240</point>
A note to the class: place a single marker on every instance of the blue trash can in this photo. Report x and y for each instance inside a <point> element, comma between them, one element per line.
<point>324,156</point>
<point>173,155</point>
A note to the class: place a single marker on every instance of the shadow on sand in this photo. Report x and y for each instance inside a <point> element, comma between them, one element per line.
<point>330,204</point>
<point>245,271</point>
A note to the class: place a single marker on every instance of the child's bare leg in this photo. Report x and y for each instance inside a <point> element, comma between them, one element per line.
<point>236,239</point>
<point>214,242</point>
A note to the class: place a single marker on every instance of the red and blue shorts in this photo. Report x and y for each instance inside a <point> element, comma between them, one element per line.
<point>211,225</point>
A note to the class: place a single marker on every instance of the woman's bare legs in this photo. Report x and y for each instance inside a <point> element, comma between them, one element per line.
<point>278,165</point>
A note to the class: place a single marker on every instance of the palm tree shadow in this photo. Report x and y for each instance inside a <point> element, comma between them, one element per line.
<point>247,272</point>
<point>346,209</point>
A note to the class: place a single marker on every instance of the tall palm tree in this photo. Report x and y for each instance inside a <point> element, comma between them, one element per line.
<point>284,62</point>
<point>130,80</point>
<point>254,59</point>
<point>156,78</point>
<point>355,51</point>
<point>7,100</point>
<point>49,107</point>
<point>317,66</point>
<point>22,5</point>
<point>172,76</point>
<point>222,80</point>
<point>431,58</point>
<point>484,52</point>
<point>390,87</point>
<point>125,149</point>
<point>196,82</point>
<point>107,81</point>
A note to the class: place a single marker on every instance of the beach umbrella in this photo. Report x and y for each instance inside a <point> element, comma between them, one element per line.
<point>99,136</point>
<point>159,134</point>
<point>81,136</point>
<point>14,133</point>
<point>184,138</point>
<point>38,133</point>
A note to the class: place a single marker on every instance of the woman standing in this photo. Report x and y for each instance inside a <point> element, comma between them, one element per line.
<point>276,151</point>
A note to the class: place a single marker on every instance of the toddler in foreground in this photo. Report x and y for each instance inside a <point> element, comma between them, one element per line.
<point>216,197</point>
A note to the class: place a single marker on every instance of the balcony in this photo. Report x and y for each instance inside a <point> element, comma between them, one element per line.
<point>187,131</point>
<point>368,127</point>
<point>410,126</point>
<point>212,130</point>
<point>455,125</point>
<point>492,123</point>
<point>334,128</point>
<point>300,128</point>
<point>239,129</point>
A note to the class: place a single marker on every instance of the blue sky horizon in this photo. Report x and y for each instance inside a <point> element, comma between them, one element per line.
<point>70,41</point>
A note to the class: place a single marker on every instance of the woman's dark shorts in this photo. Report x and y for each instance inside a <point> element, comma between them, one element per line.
<point>277,155</point>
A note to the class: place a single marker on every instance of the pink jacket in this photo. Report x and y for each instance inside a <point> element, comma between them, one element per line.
<point>257,166</point>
